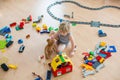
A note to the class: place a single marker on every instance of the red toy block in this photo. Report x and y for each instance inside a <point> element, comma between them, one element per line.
<point>30,17</point>
<point>108,54</point>
<point>85,53</point>
<point>21,25</point>
<point>98,58</point>
<point>90,63</point>
<point>13,24</point>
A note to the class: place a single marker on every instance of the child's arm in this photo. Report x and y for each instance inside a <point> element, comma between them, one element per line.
<point>72,43</point>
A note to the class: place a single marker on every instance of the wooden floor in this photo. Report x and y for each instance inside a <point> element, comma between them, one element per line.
<point>85,37</point>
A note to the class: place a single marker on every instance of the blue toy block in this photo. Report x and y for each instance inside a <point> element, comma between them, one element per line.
<point>45,31</point>
<point>49,74</point>
<point>102,55</point>
<point>99,67</point>
<point>20,41</point>
<point>61,20</point>
<point>112,49</point>
<point>96,64</point>
<point>102,35</point>
<point>100,32</point>
<point>5,30</point>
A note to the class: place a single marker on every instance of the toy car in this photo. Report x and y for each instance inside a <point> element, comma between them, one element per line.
<point>21,49</point>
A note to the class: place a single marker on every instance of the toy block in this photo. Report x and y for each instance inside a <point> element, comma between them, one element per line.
<point>98,58</point>
<point>20,41</point>
<point>4,30</point>
<point>91,53</point>
<point>108,54</point>
<point>18,28</point>
<point>96,64</point>
<point>49,74</point>
<point>102,35</point>
<point>99,67</point>
<point>2,44</point>
<point>38,29</point>
<point>88,72</point>
<point>61,20</point>
<point>90,63</point>
<point>85,53</point>
<point>27,36</point>
<point>21,25</point>
<point>50,28</point>
<point>102,55</point>
<point>12,66</point>
<point>56,29</point>
<point>3,50</point>
<point>44,31</point>
<point>101,60</point>
<point>112,49</point>
<point>34,24</point>
<point>9,44</point>
<point>21,49</point>
<point>29,18</point>
<point>4,67</point>
<point>13,24</point>
<point>102,44</point>
<point>44,26</point>
<point>87,67</point>
<point>95,24</point>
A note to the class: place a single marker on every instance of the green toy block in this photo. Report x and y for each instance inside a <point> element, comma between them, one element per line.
<point>91,53</point>
<point>50,28</point>
<point>56,29</point>
<point>74,24</point>
<point>3,44</point>
<point>17,28</point>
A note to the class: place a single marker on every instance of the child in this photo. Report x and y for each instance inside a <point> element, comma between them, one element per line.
<point>63,37</point>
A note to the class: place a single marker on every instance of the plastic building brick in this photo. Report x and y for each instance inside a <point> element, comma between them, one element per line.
<point>99,67</point>
<point>2,44</point>
<point>101,33</point>
<point>12,66</point>
<point>112,49</point>
<point>27,36</point>
<point>44,31</point>
<point>21,49</point>
<point>9,44</point>
<point>88,72</point>
<point>39,19</point>
<point>20,41</point>
<point>4,67</point>
<point>13,24</point>
<point>49,74</point>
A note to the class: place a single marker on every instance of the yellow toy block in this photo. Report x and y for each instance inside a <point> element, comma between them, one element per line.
<point>3,50</point>
<point>38,28</point>
<point>44,27</point>
<point>102,44</point>
<point>34,24</point>
<point>87,67</point>
<point>12,66</point>
<point>101,60</point>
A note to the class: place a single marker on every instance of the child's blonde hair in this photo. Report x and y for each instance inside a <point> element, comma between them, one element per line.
<point>64,27</point>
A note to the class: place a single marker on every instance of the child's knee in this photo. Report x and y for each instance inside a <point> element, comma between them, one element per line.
<point>61,47</point>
